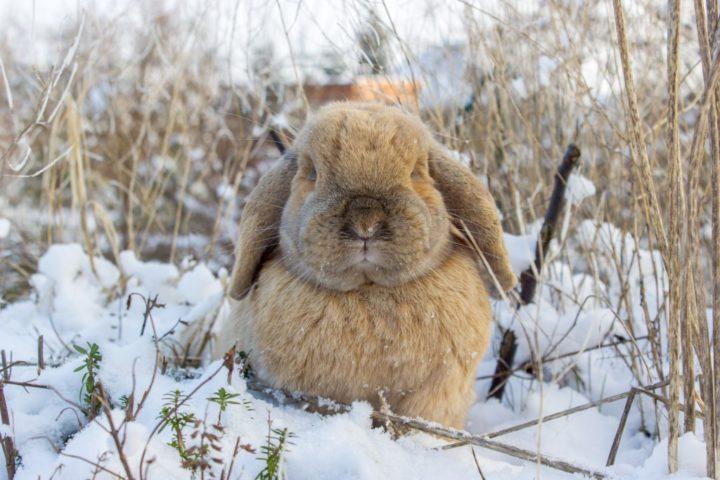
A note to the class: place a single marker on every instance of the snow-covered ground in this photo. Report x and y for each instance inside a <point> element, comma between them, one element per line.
<point>76,302</point>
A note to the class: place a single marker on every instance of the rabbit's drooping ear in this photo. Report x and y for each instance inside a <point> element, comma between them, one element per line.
<point>469,201</point>
<point>260,223</point>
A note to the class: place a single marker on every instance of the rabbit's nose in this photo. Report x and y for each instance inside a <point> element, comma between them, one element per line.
<point>366,228</point>
<point>366,219</point>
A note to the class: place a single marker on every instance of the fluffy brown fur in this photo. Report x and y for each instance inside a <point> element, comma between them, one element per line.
<point>350,284</point>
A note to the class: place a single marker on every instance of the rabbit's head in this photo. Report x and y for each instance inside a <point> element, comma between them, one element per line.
<point>365,195</point>
<point>362,206</point>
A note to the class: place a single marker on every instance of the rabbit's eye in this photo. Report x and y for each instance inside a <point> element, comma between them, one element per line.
<point>312,173</point>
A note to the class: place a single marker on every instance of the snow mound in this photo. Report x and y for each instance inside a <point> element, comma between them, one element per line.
<point>578,188</point>
<point>4,228</point>
<point>79,300</point>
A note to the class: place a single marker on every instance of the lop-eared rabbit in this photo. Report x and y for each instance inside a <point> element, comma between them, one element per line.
<point>351,280</point>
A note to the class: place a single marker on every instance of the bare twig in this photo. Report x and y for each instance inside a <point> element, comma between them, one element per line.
<point>28,384</point>
<point>621,428</point>
<point>678,407</point>
<point>114,432</point>
<point>150,304</point>
<point>8,446</point>
<point>570,411</point>
<point>40,355</point>
<point>529,364</point>
<point>94,464</point>
<point>485,443</point>
<point>324,406</point>
<point>477,464</point>
<point>277,141</point>
<point>529,278</point>
<point>5,366</point>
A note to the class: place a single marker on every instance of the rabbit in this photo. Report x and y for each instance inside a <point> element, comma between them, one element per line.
<point>351,281</point>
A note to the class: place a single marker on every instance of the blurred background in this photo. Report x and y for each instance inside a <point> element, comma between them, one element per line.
<point>142,125</point>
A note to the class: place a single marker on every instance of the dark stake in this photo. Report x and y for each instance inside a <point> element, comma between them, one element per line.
<point>8,446</point>
<point>40,355</point>
<point>528,279</point>
<point>277,141</point>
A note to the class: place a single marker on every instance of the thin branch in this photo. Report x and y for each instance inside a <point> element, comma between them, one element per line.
<point>279,396</point>
<point>8,445</point>
<point>114,432</point>
<point>528,364</point>
<point>529,278</point>
<point>621,428</point>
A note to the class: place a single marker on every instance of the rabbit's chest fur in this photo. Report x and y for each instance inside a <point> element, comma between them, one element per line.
<point>424,338</point>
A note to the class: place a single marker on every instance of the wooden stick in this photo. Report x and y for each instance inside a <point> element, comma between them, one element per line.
<point>277,141</point>
<point>40,355</point>
<point>24,363</point>
<point>27,384</point>
<point>281,397</point>
<point>561,414</point>
<point>114,433</point>
<point>678,407</point>
<point>504,366</point>
<point>5,368</point>
<point>530,363</point>
<point>621,428</point>
<point>477,464</point>
<point>569,411</point>
<point>483,442</point>
<point>529,278</point>
<point>8,446</point>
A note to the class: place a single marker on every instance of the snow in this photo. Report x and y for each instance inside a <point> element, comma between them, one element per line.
<point>521,249</point>
<point>691,457</point>
<point>4,228</point>
<point>578,188</point>
<point>76,300</point>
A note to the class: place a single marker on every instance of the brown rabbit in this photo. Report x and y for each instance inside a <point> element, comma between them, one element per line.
<point>349,281</point>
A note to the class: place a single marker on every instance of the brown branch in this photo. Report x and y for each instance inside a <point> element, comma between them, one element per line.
<point>277,141</point>
<point>483,442</point>
<point>8,446</point>
<point>477,464</point>
<point>569,411</point>
<point>27,384</point>
<point>114,432</point>
<point>676,248</point>
<point>5,367</point>
<point>94,464</point>
<point>678,407</point>
<point>529,278</point>
<point>528,364</point>
<point>24,363</point>
<point>564,413</point>
<point>281,397</point>
<point>40,354</point>
<point>621,428</point>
